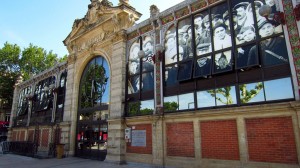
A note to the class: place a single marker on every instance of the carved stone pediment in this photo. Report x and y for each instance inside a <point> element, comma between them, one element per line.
<point>101,21</point>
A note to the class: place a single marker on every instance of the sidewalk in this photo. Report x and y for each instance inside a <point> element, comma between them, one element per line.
<point>17,161</point>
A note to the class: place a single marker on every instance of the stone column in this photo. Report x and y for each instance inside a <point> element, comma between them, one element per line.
<point>241,128</point>
<point>69,116</point>
<point>158,141</point>
<point>13,111</point>
<point>116,141</point>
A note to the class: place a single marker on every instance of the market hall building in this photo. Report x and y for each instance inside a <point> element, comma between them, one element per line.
<point>202,84</point>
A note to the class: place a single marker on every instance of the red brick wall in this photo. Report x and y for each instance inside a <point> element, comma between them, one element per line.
<point>22,136</point>
<point>31,135</point>
<point>180,139</point>
<point>271,140</point>
<point>45,137</point>
<point>14,136</point>
<point>140,149</point>
<point>219,140</point>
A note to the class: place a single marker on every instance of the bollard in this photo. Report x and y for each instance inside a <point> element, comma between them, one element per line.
<point>59,150</point>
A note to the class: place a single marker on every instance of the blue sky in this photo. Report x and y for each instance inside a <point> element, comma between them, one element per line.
<point>46,23</point>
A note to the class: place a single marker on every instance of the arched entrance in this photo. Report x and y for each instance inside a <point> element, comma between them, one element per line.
<point>91,139</point>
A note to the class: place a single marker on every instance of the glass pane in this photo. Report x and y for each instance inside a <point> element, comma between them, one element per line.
<point>274,51</point>
<point>148,49</point>
<point>134,108</point>
<point>99,83</point>
<point>147,107</point>
<point>246,56</point>
<point>270,26</point>
<point>171,103</point>
<point>267,28</point>
<point>99,61</point>
<point>97,116</point>
<point>186,101</point>
<point>202,33</point>
<point>171,75</point>
<point>279,89</point>
<point>134,49</point>
<point>222,38</point>
<point>252,92</point>
<point>243,21</point>
<point>134,84</point>
<point>86,100</point>
<point>223,62</point>
<point>134,62</point>
<point>134,67</point>
<point>225,96</point>
<point>206,98</point>
<point>86,116</point>
<point>105,97</point>
<point>203,66</point>
<point>148,81</point>
<point>185,40</point>
<point>62,81</point>
<point>170,45</point>
<point>185,70</point>
<point>94,84</point>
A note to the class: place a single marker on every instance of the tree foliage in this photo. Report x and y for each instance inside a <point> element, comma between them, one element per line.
<point>247,95</point>
<point>171,106</point>
<point>17,64</point>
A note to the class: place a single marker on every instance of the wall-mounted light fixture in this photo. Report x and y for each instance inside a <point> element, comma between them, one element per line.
<point>159,49</point>
<point>141,54</point>
<point>278,17</point>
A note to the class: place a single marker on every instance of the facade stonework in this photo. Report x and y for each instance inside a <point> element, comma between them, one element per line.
<point>164,131</point>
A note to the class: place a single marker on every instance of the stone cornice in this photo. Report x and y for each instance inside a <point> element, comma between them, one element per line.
<point>45,74</point>
<point>120,36</point>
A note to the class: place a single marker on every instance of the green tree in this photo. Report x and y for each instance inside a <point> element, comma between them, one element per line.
<point>247,95</point>
<point>9,72</point>
<point>134,108</point>
<point>224,92</point>
<point>18,65</point>
<point>170,106</point>
<point>35,60</point>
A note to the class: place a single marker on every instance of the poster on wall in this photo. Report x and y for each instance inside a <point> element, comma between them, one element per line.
<point>243,21</point>
<point>185,40</point>
<point>148,48</point>
<point>138,138</point>
<point>170,46</point>
<point>202,33</point>
<point>221,31</point>
<point>134,68</point>
<point>203,66</point>
<point>223,62</point>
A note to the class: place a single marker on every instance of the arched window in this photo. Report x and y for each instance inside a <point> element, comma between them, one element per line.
<point>23,103</point>
<point>94,84</point>
<point>61,96</point>
<point>92,128</point>
<point>43,96</point>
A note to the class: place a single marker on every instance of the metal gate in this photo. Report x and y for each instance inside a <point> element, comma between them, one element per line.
<point>91,141</point>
